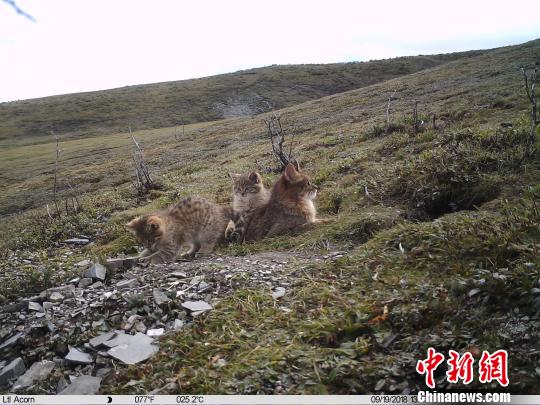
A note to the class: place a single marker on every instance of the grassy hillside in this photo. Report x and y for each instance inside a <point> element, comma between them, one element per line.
<point>158,105</point>
<point>438,229</point>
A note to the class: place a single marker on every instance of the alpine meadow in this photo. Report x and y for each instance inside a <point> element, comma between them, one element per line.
<point>426,174</point>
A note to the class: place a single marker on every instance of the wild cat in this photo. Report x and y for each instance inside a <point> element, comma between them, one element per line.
<point>289,209</point>
<point>248,193</point>
<point>195,222</point>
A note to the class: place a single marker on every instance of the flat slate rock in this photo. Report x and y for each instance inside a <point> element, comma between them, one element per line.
<point>124,338</point>
<point>77,356</point>
<point>101,339</point>
<point>127,283</point>
<point>12,370</point>
<point>134,353</point>
<point>278,293</point>
<point>177,274</point>
<point>37,372</point>
<point>197,306</point>
<point>96,271</point>
<point>83,385</point>
<point>160,297</point>
<point>35,306</point>
<point>122,263</point>
<point>85,282</point>
<point>77,241</point>
<point>12,341</point>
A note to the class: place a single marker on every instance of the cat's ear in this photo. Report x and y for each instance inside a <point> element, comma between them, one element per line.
<point>154,222</point>
<point>290,173</point>
<point>132,225</point>
<point>255,177</point>
<point>234,176</point>
<point>296,164</point>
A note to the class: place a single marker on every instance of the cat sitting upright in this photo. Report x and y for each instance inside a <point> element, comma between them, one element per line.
<point>195,222</point>
<point>289,209</point>
<point>248,193</point>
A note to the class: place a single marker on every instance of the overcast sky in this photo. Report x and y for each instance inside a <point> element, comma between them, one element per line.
<point>83,45</point>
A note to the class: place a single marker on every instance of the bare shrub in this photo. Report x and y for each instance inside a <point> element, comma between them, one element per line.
<point>143,181</point>
<point>70,204</point>
<point>529,79</point>
<point>277,136</point>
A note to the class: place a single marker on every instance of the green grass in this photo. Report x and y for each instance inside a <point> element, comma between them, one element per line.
<point>246,92</point>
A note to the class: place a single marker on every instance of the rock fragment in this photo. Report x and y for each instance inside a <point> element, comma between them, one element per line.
<point>83,385</point>
<point>13,370</point>
<point>12,341</point>
<point>134,348</point>
<point>160,297</point>
<point>278,293</point>
<point>96,272</point>
<point>35,306</point>
<point>123,284</point>
<point>85,282</point>
<point>77,241</point>
<point>197,306</point>
<point>37,372</point>
<point>77,356</point>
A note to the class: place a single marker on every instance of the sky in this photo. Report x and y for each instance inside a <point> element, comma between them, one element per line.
<point>84,45</point>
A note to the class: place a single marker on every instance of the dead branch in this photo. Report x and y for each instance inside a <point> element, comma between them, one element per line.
<point>390,98</point>
<point>530,88</point>
<point>55,185</point>
<point>416,122</point>
<point>143,181</point>
<point>277,136</point>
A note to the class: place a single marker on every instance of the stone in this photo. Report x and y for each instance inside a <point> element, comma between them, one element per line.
<point>122,263</point>
<point>101,339</point>
<point>178,274</point>
<point>79,357</point>
<point>127,283</point>
<point>37,372</point>
<point>35,306</point>
<point>178,324</point>
<point>56,297</point>
<point>203,286</point>
<point>61,384</point>
<point>278,293</point>
<point>83,385</point>
<point>47,306</point>
<point>68,291</point>
<point>196,280</point>
<point>96,272</point>
<point>134,349</point>
<point>155,332</point>
<point>102,372</point>
<point>13,370</point>
<point>140,327</point>
<point>83,263</point>
<point>160,297</point>
<point>77,241</point>
<point>197,306</point>
<point>85,282</point>
<point>12,341</point>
